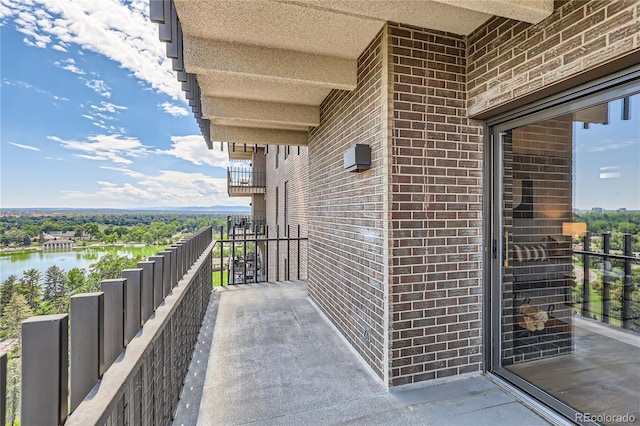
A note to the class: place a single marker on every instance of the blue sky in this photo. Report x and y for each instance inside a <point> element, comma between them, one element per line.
<point>607,160</point>
<point>92,115</point>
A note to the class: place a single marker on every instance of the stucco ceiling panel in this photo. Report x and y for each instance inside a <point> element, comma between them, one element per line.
<point>421,13</point>
<point>280,25</point>
<point>532,11</point>
<point>261,89</point>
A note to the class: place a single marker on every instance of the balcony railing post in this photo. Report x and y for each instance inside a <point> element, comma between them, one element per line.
<point>158,266</point>
<point>133,315</point>
<point>114,318</point>
<point>87,344</point>
<point>288,265</point>
<point>277,252</point>
<point>606,277</point>
<point>146,290</point>
<point>255,254</point>
<point>298,245</point>
<point>627,314</point>
<point>586,279</point>
<point>232,259</point>
<point>166,272</point>
<point>179,262</point>
<point>222,256</point>
<point>244,253</point>
<point>266,256</point>
<point>174,265</point>
<point>45,379</point>
<point>3,388</point>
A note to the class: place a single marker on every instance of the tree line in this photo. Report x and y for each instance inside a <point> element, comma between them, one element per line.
<point>144,227</point>
<point>617,223</point>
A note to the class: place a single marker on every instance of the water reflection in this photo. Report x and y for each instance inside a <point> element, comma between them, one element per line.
<point>15,263</point>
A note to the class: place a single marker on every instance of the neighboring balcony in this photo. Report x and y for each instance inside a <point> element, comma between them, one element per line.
<point>244,182</point>
<point>239,225</point>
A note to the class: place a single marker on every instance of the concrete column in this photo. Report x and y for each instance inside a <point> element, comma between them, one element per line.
<point>166,273</point>
<point>158,270</point>
<point>133,316</point>
<point>114,318</point>
<point>45,370</point>
<point>146,291</point>
<point>87,344</point>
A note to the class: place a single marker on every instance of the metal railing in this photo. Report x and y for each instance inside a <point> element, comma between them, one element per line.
<point>255,257</point>
<point>587,309</point>
<point>241,177</point>
<point>126,356</point>
<point>237,224</point>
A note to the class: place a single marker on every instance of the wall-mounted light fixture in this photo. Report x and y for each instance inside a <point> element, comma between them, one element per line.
<point>357,158</point>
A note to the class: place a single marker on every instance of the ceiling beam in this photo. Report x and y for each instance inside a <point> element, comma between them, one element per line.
<point>251,136</point>
<point>239,151</point>
<point>531,11</point>
<point>250,113</point>
<point>204,56</point>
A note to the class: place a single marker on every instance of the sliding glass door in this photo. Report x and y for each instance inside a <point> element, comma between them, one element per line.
<point>566,263</point>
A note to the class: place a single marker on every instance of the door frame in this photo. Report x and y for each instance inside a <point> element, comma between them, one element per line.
<point>611,87</point>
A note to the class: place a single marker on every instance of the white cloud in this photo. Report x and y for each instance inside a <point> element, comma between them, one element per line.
<point>69,65</point>
<point>174,110</point>
<point>114,148</point>
<point>168,188</point>
<point>58,47</point>
<point>125,171</point>
<point>27,147</point>
<point>192,148</point>
<point>99,86</point>
<point>108,107</point>
<point>29,86</point>
<point>596,145</point>
<point>120,31</point>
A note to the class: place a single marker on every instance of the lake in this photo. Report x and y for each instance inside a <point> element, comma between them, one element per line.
<point>17,263</point>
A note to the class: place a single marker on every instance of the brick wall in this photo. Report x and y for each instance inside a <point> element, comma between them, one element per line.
<point>436,210</point>
<point>347,212</point>
<point>508,59</point>
<point>294,170</point>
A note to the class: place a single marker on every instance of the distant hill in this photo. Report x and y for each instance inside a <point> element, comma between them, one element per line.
<point>216,209</point>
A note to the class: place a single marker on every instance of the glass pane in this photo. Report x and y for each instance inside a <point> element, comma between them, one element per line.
<point>570,320</point>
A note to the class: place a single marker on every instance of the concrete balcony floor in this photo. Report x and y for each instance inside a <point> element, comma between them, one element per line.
<point>266,356</point>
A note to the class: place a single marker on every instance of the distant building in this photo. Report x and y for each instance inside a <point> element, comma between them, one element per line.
<point>57,244</point>
<point>622,210</point>
<point>597,210</point>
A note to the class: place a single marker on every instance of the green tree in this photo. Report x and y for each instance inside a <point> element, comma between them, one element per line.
<point>91,228</point>
<point>55,284</point>
<point>14,366</point>
<point>108,267</point>
<point>76,280</point>
<point>6,291</point>
<point>29,287</point>
<point>14,313</point>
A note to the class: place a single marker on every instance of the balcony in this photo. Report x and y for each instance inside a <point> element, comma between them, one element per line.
<point>175,347</point>
<point>254,353</point>
<point>245,182</point>
<point>239,226</point>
